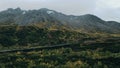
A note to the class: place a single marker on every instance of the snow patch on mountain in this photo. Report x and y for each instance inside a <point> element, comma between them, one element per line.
<point>23,12</point>
<point>50,12</point>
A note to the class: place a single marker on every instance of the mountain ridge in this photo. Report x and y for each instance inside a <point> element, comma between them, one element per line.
<point>50,18</point>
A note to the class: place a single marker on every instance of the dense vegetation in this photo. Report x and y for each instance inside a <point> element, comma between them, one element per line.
<point>76,56</point>
<point>33,36</point>
<point>91,51</point>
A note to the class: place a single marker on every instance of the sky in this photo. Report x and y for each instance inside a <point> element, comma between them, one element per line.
<point>106,9</point>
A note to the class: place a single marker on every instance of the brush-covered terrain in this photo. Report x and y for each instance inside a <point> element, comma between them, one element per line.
<point>32,36</point>
<point>86,50</point>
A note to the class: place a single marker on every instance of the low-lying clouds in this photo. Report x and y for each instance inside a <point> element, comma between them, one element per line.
<point>106,9</point>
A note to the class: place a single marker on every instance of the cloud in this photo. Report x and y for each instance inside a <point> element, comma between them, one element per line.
<point>108,9</point>
<point>66,6</point>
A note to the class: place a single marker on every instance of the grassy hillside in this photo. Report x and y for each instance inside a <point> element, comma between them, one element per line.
<point>31,36</point>
<point>76,56</point>
<point>93,50</point>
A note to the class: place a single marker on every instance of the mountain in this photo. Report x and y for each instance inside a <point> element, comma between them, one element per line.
<point>50,18</point>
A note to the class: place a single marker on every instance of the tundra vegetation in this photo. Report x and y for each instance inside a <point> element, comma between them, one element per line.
<point>98,50</point>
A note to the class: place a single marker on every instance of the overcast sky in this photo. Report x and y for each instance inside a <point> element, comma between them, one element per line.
<point>105,9</point>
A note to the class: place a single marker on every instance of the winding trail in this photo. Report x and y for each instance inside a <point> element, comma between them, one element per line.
<point>37,48</point>
<point>109,42</point>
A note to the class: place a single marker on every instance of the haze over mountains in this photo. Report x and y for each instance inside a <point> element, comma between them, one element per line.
<point>50,18</point>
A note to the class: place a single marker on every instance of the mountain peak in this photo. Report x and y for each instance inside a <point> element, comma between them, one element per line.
<point>44,9</point>
<point>48,11</point>
<point>16,9</point>
<point>90,15</point>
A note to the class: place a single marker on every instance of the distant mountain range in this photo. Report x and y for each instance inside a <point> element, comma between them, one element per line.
<point>50,18</point>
